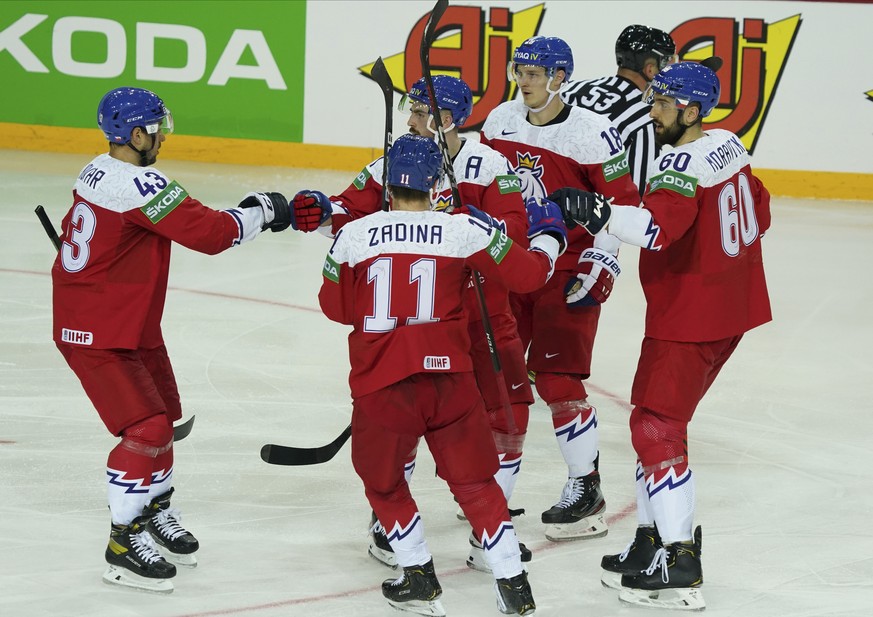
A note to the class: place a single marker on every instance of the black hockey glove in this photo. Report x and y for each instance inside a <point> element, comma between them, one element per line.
<point>591,210</point>
<point>277,212</point>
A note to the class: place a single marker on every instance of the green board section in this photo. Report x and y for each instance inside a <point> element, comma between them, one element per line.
<point>225,69</point>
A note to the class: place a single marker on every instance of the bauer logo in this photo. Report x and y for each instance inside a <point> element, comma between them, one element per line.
<point>437,363</point>
<point>475,44</point>
<point>165,202</point>
<point>754,54</point>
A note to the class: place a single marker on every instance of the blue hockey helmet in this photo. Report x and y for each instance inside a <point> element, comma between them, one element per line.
<point>687,82</point>
<point>546,51</point>
<point>414,162</point>
<point>452,94</point>
<point>123,109</point>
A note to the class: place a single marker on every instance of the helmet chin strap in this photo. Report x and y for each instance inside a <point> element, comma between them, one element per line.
<point>431,123</point>
<point>552,94</point>
<point>143,154</point>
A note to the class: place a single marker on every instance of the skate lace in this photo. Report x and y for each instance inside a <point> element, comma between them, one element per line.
<point>626,550</point>
<point>659,561</point>
<point>168,523</point>
<point>573,490</point>
<point>145,547</point>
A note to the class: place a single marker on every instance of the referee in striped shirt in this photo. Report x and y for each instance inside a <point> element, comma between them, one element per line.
<point>640,52</point>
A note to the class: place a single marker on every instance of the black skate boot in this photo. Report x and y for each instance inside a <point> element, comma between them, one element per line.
<point>164,523</point>
<point>514,596</point>
<point>380,549</point>
<point>636,557</point>
<point>134,560</point>
<point>672,580</point>
<point>580,512</point>
<point>416,591</point>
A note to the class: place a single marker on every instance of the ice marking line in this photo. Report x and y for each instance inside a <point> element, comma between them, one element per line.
<point>216,294</point>
<point>544,546</point>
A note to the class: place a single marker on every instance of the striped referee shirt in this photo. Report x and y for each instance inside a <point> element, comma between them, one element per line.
<point>620,100</point>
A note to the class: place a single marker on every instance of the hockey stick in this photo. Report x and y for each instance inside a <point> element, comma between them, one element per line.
<point>181,431</point>
<point>49,228</point>
<point>713,63</point>
<point>275,454</point>
<point>426,42</point>
<point>380,76</point>
<point>289,455</point>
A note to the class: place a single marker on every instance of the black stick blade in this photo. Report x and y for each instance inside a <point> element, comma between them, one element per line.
<point>713,63</point>
<point>181,431</point>
<point>275,454</point>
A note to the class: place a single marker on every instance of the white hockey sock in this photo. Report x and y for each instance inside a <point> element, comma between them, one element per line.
<point>575,425</point>
<point>501,553</point>
<point>162,481</point>
<point>506,476</point>
<point>645,517</point>
<point>408,543</point>
<point>127,496</point>
<point>672,500</point>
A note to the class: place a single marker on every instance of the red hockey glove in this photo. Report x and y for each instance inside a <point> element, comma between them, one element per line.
<point>593,283</point>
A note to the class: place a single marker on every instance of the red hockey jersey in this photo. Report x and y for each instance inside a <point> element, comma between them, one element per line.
<point>110,276</point>
<point>580,148</point>
<point>398,277</point>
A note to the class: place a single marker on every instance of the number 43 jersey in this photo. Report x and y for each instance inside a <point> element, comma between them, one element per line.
<point>110,276</point>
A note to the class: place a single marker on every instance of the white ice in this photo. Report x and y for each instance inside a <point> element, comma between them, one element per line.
<point>781,445</point>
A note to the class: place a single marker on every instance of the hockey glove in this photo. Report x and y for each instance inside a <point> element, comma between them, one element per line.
<point>311,209</point>
<point>593,283</point>
<point>544,217</point>
<point>277,213</point>
<point>591,210</point>
<point>482,216</point>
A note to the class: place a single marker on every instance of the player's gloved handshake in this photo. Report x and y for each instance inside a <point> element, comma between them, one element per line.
<point>277,213</point>
<point>310,210</point>
<point>591,210</point>
<point>593,283</point>
<point>544,217</point>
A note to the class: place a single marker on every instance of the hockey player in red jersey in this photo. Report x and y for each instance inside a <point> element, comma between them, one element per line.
<point>109,284</point>
<point>553,145</point>
<point>398,278</point>
<point>701,224</point>
<point>487,181</point>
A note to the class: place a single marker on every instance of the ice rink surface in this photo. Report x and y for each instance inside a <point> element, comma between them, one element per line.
<point>781,446</point>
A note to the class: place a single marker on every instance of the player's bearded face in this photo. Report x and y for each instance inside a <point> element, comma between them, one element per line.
<point>665,117</point>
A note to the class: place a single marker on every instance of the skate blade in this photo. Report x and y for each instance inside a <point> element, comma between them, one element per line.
<point>125,578</point>
<point>384,557</point>
<point>187,561</point>
<point>685,599</point>
<point>460,515</point>
<point>587,528</point>
<point>611,580</point>
<point>434,608</point>
<point>476,560</point>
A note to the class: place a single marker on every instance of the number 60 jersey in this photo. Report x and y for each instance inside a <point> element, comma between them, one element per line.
<point>110,276</point>
<point>703,274</point>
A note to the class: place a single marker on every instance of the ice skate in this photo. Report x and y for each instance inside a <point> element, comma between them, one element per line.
<point>176,543</point>
<point>379,547</point>
<point>637,556</point>
<point>580,513</point>
<point>134,560</point>
<point>514,596</point>
<point>476,558</point>
<point>416,591</point>
<point>672,580</point>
